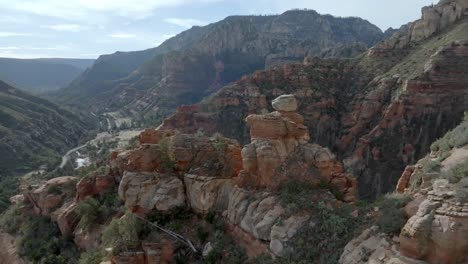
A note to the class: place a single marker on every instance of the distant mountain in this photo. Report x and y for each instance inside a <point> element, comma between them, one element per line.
<point>41,75</point>
<point>33,131</point>
<point>201,60</point>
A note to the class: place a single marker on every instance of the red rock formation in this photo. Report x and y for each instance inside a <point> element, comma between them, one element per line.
<point>92,185</point>
<point>279,152</point>
<point>50,195</point>
<point>154,136</point>
<point>404,180</point>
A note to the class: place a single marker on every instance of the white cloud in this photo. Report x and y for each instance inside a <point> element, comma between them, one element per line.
<point>10,48</point>
<point>5,34</point>
<point>184,22</point>
<point>65,27</point>
<point>81,9</point>
<point>122,35</point>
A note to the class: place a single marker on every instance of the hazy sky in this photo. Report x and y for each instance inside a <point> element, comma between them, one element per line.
<point>88,28</point>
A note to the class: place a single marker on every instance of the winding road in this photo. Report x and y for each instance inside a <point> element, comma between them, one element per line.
<point>66,157</point>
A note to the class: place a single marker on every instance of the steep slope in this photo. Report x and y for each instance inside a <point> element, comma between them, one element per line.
<point>378,112</point>
<point>204,59</point>
<point>431,222</point>
<point>33,131</point>
<point>41,75</point>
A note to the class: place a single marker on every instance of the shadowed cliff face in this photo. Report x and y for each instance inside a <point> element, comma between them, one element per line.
<point>378,112</point>
<point>202,60</point>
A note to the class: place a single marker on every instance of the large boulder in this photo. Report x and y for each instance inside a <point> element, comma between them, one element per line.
<point>51,195</point>
<point>143,192</point>
<point>147,158</point>
<point>286,103</point>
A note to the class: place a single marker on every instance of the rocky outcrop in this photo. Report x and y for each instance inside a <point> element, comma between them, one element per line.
<point>143,192</point>
<point>88,240</point>
<point>404,180</point>
<point>184,153</point>
<point>279,152</point>
<point>376,248</point>
<point>154,136</point>
<point>438,233</point>
<point>207,194</point>
<point>92,185</point>
<point>51,194</point>
<point>434,19</point>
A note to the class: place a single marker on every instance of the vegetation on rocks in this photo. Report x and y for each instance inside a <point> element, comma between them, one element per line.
<point>329,231</point>
<point>92,210</point>
<point>38,239</point>
<point>392,217</point>
<point>455,138</point>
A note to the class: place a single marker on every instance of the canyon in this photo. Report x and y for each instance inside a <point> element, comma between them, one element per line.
<point>281,148</point>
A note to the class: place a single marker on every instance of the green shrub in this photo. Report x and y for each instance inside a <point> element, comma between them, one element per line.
<point>133,143</point>
<point>202,234</point>
<point>225,250</point>
<point>54,189</point>
<point>430,165</point>
<point>11,220</point>
<point>123,231</point>
<point>296,195</point>
<point>455,138</point>
<point>460,171</point>
<point>88,210</point>
<point>8,187</point>
<point>93,209</point>
<point>323,241</point>
<point>40,241</point>
<point>219,142</point>
<point>93,257</point>
<point>392,216</point>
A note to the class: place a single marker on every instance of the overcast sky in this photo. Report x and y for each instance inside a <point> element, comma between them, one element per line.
<point>89,28</point>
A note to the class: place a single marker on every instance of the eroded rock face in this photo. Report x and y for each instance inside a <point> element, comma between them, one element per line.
<point>147,158</point>
<point>50,195</point>
<point>183,153</point>
<point>374,247</point>
<point>206,194</point>
<point>279,152</point>
<point>438,233</point>
<point>282,233</point>
<point>143,192</point>
<point>435,18</point>
<point>204,156</point>
<point>88,240</point>
<point>154,136</point>
<point>92,185</point>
